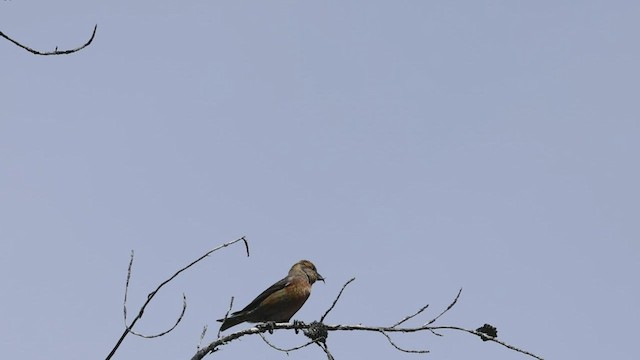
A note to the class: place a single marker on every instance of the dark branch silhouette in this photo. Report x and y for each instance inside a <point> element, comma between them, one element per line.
<point>336,300</point>
<point>318,332</point>
<point>223,319</point>
<point>128,328</point>
<point>56,51</point>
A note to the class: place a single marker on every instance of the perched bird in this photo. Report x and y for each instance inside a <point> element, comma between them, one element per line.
<point>281,300</point>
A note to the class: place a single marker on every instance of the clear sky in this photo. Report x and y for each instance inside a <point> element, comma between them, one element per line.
<point>419,146</point>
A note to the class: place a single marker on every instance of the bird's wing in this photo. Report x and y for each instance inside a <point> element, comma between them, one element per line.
<point>273,288</point>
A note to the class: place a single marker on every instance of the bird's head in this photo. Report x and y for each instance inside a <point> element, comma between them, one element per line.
<point>309,269</point>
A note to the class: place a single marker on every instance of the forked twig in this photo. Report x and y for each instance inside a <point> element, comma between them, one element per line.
<point>128,328</point>
<point>325,348</point>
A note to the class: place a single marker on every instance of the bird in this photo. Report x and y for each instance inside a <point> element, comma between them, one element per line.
<point>281,300</point>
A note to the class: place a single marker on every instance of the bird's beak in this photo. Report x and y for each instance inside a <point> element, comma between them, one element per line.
<point>320,278</point>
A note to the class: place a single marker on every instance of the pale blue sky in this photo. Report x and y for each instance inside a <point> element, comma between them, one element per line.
<point>417,146</point>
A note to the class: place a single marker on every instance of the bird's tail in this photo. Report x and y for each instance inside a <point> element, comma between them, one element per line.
<point>230,321</point>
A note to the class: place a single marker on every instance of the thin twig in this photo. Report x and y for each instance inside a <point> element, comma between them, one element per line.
<point>264,338</point>
<point>154,292</point>
<point>447,309</point>
<point>325,348</point>
<point>402,349</point>
<point>411,316</point>
<point>56,51</point>
<point>184,309</point>
<point>204,331</point>
<point>126,289</point>
<point>226,316</point>
<point>336,300</point>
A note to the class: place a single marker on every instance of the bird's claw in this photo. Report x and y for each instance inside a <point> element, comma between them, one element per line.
<point>269,325</point>
<point>297,325</point>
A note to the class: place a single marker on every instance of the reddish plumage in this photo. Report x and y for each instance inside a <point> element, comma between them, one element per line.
<point>281,300</point>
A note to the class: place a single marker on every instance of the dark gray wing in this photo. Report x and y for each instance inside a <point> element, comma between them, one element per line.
<point>273,288</point>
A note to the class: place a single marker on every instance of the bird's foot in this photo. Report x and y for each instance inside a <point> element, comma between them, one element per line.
<point>269,325</point>
<point>297,325</point>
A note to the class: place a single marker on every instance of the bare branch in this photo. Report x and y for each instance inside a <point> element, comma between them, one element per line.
<point>325,348</point>
<point>447,309</point>
<point>226,315</point>
<point>411,316</point>
<point>485,337</point>
<point>184,309</point>
<point>318,332</point>
<point>401,349</point>
<point>213,346</point>
<point>309,332</point>
<point>246,245</point>
<point>336,300</point>
<point>204,331</point>
<point>264,338</point>
<point>56,51</point>
<point>126,289</point>
<point>128,329</point>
